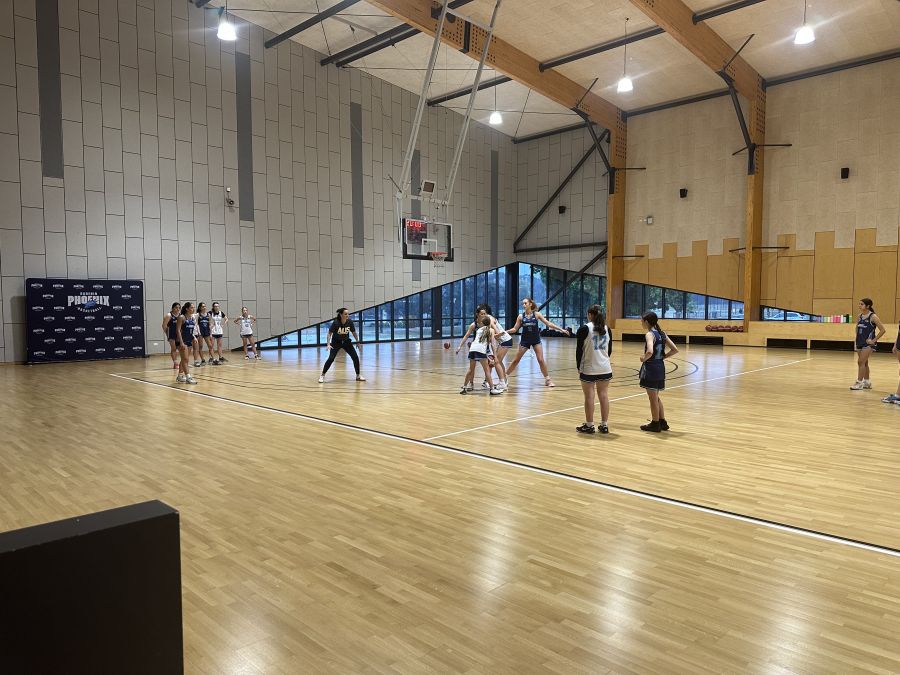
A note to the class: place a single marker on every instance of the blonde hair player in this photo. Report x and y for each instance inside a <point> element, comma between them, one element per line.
<point>528,321</point>
<point>866,342</point>
<point>594,369</point>
<point>246,321</point>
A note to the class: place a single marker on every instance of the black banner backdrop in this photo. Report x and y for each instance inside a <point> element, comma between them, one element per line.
<point>80,319</point>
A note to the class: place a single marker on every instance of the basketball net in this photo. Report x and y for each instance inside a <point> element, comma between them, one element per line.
<point>438,258</point>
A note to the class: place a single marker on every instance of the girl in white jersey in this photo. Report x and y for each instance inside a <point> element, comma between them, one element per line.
<point>594,369</point>
<point>246,321</point>
<point>504,343</point>
<point>217,325</point>
<point>478,353</point>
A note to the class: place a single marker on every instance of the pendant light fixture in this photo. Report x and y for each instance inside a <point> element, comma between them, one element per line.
<point>625,85</point>
<point>226,30</point>
<point>804,34</point>
<point>495,118</point>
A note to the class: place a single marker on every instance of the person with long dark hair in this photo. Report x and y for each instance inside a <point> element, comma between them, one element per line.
<point>218,320</point>
<point>339,338</point>
<point>504,343</point>
<point>169,326</point>
<point>185,332</point>
<point>868,329</point>
<point>592,352</point>
<point>653,370</point>
<point>529,321</point>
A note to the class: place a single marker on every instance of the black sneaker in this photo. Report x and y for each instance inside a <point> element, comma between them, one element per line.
<point>653,426</point>
<point>586,429</point>
<point>663,425</point>
<point>604,429</point>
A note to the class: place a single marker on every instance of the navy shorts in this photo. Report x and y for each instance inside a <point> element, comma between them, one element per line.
<point>594,378</point>
<point>529,343</point>
<point>477,356</point>
<point>204,332</point>
<point>188,341</point>
<point>507,343</point>
<point>653,375</point>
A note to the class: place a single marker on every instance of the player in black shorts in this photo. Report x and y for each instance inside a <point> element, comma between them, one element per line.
<point>895,398</point>
<point>185,333</point>
<point>868,331</point>
<point>653,369</point>
<point>339,338</point>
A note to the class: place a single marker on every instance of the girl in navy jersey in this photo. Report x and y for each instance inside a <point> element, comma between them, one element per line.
<point>218,321</point>
<point>529,321</point>
<point>339,338</point>
<point>246,321</point>
<point>895,398</point>
<point>594,369</point>
<point>653,370</point>
<point>203,333</point>
<point>185,333</point>
<point>867,324</point>
<point>169,324</point>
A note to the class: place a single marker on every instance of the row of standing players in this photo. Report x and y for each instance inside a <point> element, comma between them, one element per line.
<point>189,329</point>
<point>869,330</point>
<point>491,342</point>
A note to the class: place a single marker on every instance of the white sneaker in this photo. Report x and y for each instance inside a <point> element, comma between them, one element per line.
<point>258,356</point>
<point>321,379</point>
<point>196,364</point>
<point>469,387</point>
<point>180,378</point>
<point>485,385</point>
<point>247,357</point>
<point>548,382</point>
<point>360,378</point>
<point>857,386</point>
<point>191,380</point>
<point>496,390</point>
<point>867,384</point>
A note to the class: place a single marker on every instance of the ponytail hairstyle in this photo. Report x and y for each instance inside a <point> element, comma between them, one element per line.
<point>532,305</point>
<point>338,314</point>
<point>486,335</point>
<point>487,308</point>
<point>184,308</point>
<point>200,307</point>
<point>176,304</point>
<point>219,311</point>
<point>868,303</point>
<point>598,318</point>
<point>652,321</point>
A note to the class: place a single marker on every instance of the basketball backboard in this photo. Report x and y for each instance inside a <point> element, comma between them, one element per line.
<point>421,237</point>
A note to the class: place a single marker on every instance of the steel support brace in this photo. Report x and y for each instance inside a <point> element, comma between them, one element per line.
<point>561,247</point>
<point>309,23</point>
<point>593,261</point>
<point>552,198</point>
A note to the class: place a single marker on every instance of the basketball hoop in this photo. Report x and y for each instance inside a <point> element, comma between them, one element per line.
<point>438,258</point>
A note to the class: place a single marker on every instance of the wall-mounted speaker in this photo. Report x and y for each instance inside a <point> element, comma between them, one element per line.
<point>562,210</point>
<point>683,193</point>
<point>845,172</point>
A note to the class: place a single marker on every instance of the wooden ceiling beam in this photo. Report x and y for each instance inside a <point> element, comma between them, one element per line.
<point>677,19</point>
<point>506,59</point>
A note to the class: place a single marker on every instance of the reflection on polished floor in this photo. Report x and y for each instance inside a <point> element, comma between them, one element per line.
<point>395,526</point>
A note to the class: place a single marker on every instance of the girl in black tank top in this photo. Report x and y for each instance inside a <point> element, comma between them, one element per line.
<point>169,325</point>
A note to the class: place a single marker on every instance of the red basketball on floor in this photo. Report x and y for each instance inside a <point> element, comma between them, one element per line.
<point>446,345</point>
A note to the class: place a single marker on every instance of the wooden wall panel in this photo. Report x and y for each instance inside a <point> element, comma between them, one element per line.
<point>692,271</point>
<point>828,307</point>
<point>833,275</point>
<point>664,271</point>
<point>768,278</point>
<point>723,272</point>
<point>795,282</point>
<point>636,269</point>
<point>875,276</point>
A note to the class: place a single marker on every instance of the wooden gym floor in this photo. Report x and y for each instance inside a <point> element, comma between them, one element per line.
<point>396,526</point>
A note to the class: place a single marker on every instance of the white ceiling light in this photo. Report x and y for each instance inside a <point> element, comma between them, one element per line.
<point>625,84</point>
<point>495,118</point>
<point>805,33</point>
<point>226,30</point>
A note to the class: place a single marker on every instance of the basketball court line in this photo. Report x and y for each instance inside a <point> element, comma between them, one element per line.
<point>610,487</point>
<point>620,398</point>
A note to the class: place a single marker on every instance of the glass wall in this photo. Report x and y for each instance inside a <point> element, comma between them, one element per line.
<point>775,314</point>
<point>669,303</point>
<point>446,311</point>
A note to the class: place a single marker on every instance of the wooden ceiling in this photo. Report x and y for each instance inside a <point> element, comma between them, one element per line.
<point>661,68</point>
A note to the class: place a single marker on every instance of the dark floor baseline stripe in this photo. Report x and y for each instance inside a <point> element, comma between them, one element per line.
<point>888,550</point>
